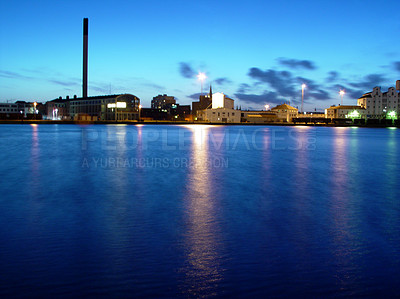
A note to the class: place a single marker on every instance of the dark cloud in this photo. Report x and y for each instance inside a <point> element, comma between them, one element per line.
<point>350,92</point>
<point>244,88</point>
<point>311,85</point>
<point>266,97</point>
<point>279,80</point>
<point>13,75</point>
<point>186,70</point>
<point>319,94</point>
<point>332,77</point>
<point>285,87</point>
<point>397,66</point>
<point>369,82</point>
<point>195,96</point>
<point>296,63</point>
<point>222,81</point>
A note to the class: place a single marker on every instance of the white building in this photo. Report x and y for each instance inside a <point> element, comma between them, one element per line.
<point>219,100</point>
<point>222,110</point>
<point>380,104</point>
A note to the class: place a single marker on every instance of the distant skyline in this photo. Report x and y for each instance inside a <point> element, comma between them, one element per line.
<point>256,52</point>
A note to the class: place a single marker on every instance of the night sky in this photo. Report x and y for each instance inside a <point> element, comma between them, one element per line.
<point>257,52</point>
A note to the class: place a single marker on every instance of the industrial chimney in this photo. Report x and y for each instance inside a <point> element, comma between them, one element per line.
<point>398,84</point>
<point>85,57</point>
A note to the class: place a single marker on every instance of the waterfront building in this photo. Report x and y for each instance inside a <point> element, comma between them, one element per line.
<point>203,103</point>
<point>381,105</point>
<point>9,111</point>
<point>21,110</point>
<point>220,115</point>
<point>285,112</point>
<point>345,112</point>
<point>163,102</point>
<point>221,111</point>
<point>253,116</point>
<point>219,100</point>
<point>181,112</point>
<point>108,107</point>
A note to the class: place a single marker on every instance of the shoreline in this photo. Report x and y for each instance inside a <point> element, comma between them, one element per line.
<point>71,122</point>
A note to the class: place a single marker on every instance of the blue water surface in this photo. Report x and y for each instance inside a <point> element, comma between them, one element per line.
<point>199,211</point>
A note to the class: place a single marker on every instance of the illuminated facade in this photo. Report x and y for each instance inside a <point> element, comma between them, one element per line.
<point>285,112</point>
<point>345,112</point>
<point>380,105</point>
<point>219,100</point>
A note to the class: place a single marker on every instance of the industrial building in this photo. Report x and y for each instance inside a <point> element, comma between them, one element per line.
<point>95,108</point>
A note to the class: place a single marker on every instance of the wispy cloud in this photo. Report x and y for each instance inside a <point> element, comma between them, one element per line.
<point>397,66</point>
<point>63,83</point>
<point>222,81</point>
<point>260,99</point>
<point>14,75</point>
<point>332,76</point>
<point>369,81</point>
<point>297,64</point>
<point>186,70</point>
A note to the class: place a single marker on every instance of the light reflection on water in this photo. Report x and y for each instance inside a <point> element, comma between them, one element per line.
<point>286,216</point>
<point>201,267</point>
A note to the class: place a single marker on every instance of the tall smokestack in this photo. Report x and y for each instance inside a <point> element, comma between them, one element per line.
<point>85,57</point>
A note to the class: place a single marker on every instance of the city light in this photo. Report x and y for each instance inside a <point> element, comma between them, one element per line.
<point>201,76</point>
<point>266,107</point>
<point>392,115</point>
<point>341,92</point>
<point>353,114</point>
<point>119,105</point>
<point>303,86</point>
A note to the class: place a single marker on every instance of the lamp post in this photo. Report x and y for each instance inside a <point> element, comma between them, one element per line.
<point>266,107</point>
<point>34,109</point>
<point>341,92</point>
<point>303,86</point>
<point>201,77</point>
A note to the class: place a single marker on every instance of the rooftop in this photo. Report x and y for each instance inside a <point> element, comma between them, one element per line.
<point>284,106</point>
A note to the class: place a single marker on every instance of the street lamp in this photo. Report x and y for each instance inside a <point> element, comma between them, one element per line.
<point>303,86</point>
<point>201,77</point>
<point>342,92</point>
<point>34,109</point>
<point>266,107</point>
<point>140,107</point>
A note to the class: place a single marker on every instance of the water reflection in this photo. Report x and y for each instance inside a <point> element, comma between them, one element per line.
<point>35,160</point>
<point>202,269</point>
<point>344,240</point>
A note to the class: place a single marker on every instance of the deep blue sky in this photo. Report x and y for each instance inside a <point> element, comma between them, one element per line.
<point>257,52</point>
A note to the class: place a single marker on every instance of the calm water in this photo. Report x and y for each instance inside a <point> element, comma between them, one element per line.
<point>198,211</point>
